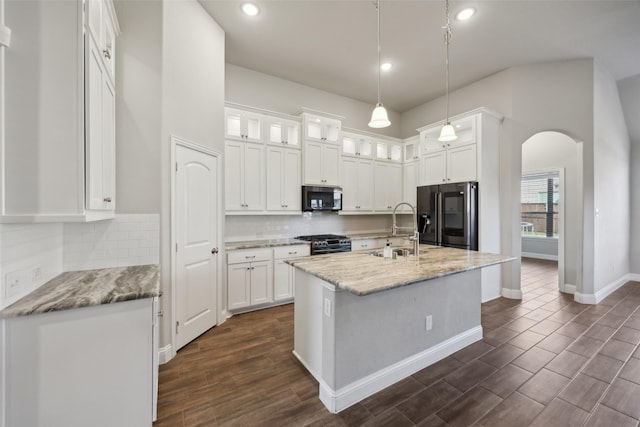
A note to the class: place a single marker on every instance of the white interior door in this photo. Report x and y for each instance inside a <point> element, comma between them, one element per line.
<point>197,242</point>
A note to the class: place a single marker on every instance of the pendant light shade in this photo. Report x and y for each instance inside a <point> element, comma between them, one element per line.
<point>447,133</point>
<point>379,117</point>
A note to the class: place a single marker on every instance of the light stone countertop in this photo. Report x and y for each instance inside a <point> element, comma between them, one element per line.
<point>75,289</point>
<point>362,274</point>
<point>265,243</point>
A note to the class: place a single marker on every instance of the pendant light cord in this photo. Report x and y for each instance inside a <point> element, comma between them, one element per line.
<point>378,8</point>
<point>447,40</point>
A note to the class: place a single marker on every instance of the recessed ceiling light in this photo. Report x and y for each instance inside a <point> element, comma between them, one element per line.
<point>250,9</point>
<point>386,66</point>
<point>465,14</point>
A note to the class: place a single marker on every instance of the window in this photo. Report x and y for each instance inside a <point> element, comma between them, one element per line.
<point>539,204</point>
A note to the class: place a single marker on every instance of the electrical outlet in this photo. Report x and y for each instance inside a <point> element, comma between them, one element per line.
<point>13,283</point>
<point>327,307</point>
<point>428,323</point>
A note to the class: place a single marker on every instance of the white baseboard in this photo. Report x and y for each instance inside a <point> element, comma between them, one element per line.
<point>602,293</point>
<point>569,289</point>
<point>634,277</point>
<point>511,293</point>
<point>539,256</point>
<point>165,354</point>
<point>336,401</point>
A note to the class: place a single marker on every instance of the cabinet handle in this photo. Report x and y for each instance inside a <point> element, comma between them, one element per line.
<point>443,180</point>
<point>250,256</point>
<point>252,268</point>
<point>106,53</point>
<point>365,246</point>
<point>248,268</point>
<point>293,253</point>
<point>214,251</point>
<point>107,199</point>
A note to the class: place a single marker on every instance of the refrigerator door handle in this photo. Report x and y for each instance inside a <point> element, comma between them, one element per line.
<point>439,225</point>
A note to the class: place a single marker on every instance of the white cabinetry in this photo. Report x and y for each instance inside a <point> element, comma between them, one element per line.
<point>283,179</point>
<point>363,244</point>
<point>283,273</point>
<point>243,125</point>
<point>411,175</point>
<point>445,162</point>
<point>357,145</point>
<point>283,131</point>
<point>249,278</point>
<point>59,146</point>
<point>357,184</point>
<point>321,149</point>
<point>387,150</point>
<point>388,186</point>
<point>244,176</point>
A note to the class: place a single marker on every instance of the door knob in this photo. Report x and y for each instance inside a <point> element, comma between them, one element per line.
<point>214,251</point>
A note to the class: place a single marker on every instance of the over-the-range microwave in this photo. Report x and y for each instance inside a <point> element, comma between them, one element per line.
<point>318,198</point>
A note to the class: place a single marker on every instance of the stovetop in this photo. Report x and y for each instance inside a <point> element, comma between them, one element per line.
<point>315,237</point>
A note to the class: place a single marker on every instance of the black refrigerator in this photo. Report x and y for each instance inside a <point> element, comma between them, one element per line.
<point>448,215</point>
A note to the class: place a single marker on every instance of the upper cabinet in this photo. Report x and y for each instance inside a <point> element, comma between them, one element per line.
<point>387,150</point>
<point>243,125</point>
<point>283,132</point>
<point>357,145</point>
<point>322,129</point>
<point>321,149</point>
<point>59,146</point>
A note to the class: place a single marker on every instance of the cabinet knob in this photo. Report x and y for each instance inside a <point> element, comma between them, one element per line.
<point>107,199</point>
<point>443,180</point>
<point>214,251</point>
<point>106,53</point>
<point>293,253</point>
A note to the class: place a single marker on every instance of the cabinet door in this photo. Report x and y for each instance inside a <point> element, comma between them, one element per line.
<point>238,285</point>
<point>282,280</point>
<point>291,132</point>
<point>465,131</point>
<point>275,169</point>
<point>429,141</point>
<point>291,177</point>
<point>313,162</point>
<point>253,174</point>
<point>234,176</point>
<point>365,147</point>
<point>411,151</point>
<point>233,124</point>
<point>261,285</point>
<point>410,183</point>
<point>461,164</point>
<point>243,125</point>
<point>365,186</point>
<point>394,185</point>
<point>331,129</point>
<point>349,145</point>
<point>362,244</point>
<point>99,133</point>
<point>331,164</point>
<point>349,173</point>
<point>433,168</point>
<point>381,196</point>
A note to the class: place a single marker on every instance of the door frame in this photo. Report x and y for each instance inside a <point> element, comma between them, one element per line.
<point>175,142</point>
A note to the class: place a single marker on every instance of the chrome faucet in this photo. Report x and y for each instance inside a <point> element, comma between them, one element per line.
<point>416,236</point>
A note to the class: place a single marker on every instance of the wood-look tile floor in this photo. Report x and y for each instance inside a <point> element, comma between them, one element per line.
<point>544,361</point>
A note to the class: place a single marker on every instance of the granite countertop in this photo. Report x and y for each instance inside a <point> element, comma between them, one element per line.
<point>362,274</point>
<point>75,289</point>
<point>265,243</point>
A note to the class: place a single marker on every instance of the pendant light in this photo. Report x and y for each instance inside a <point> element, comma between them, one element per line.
<point>447,133</point>
<point>379,117</point>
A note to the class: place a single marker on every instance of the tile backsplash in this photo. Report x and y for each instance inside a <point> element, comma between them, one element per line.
<point>129,239</point>
<point>278,226</point>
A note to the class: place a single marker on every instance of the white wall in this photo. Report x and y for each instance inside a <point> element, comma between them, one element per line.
<point>611,153</point>
<point>248,87</point>
<point>192,107</point>
<point>629,90</point>
<point>554,151</point>
<point>138,108</point>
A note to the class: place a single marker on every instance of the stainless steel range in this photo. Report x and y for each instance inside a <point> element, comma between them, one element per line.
<point>327,243</point>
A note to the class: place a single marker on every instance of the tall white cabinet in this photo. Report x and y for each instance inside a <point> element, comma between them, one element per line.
<point>59,148</point>
<point>321,148</point>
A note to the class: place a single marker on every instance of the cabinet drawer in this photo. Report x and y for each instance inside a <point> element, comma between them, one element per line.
<point>294,251</point>
<point>358,245</point>
<point>395,241</point>
<point>249,255</point>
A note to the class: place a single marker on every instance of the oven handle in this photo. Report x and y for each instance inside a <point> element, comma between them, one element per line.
<point>330,251</point>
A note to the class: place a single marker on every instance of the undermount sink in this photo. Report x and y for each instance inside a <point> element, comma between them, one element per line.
<point>397,251</point>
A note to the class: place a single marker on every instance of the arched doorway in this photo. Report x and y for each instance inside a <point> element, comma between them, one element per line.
<point>551,206</point>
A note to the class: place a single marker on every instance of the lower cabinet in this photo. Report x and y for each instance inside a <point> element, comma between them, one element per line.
<point>364,244</point>
<point>259,277</point>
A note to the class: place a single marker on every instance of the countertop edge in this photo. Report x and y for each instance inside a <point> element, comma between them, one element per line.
<point>58,294</point>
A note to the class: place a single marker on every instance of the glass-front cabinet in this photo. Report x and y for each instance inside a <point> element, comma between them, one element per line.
<point>283,132</point>
<point>356,145</point>
<point>243,125</point>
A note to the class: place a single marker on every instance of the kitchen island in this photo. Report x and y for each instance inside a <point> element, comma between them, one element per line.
<point>362,322</point>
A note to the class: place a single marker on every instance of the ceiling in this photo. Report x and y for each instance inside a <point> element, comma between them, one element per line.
<point>331,44</point>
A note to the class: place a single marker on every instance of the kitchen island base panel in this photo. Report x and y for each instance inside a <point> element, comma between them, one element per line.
<point>358,345</point>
